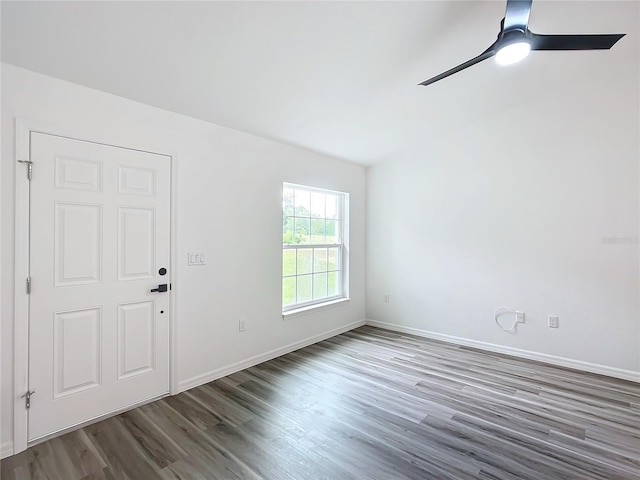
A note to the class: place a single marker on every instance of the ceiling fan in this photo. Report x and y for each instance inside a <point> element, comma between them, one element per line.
<point>515,41</point>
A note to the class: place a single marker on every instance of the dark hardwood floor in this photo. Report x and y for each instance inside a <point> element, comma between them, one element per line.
<point>367,404</point>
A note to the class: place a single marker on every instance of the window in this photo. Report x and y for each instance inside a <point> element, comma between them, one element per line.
<point>313,246</point>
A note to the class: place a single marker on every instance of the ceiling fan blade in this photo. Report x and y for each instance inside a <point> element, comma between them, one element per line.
<point>517,14</point>
<point>574,42</point>
<point>483,56</point>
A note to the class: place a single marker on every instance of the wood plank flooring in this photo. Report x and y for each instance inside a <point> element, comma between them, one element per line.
<point>366,404</point>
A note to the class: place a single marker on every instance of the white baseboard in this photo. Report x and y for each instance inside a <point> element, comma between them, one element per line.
<point>6,449</point>
<point>516,352</point>
<point>263,357</point>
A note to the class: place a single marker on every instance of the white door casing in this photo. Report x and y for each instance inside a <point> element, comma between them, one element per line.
<point>99,234</point>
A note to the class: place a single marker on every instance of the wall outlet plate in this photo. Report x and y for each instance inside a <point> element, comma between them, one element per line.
<point>554,321</point>
<point>196,258</point>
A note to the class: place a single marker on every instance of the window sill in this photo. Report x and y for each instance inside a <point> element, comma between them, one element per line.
<point>313,308</point>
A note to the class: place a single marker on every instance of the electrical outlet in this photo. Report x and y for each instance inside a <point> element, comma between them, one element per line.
<point>241,325</point>
<point>386,298</point>
<point>520,317</point>
<point>554,321</point>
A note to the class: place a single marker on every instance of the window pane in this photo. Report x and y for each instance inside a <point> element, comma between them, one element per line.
<point>333,259</point>
<point>305,260</point>
<point>289,291</point>
<point>317,230</point>
<point>288,262</point>
<point>302,203</point>
<point>319,259</point>
<point>319,285</point>
<point>317,204</point>
<point>311,217</point>
<point>302,228</point>
<point>333,206</point>
<point>287,201</point>
<point>304,288</point>
<point>333,280</point>
<point>287,231</point>
<point>332,231</point>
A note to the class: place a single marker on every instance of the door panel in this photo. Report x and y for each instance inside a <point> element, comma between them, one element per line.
<point>136,243</point>
<point>137,181</point>
<point>136,331</point>
<point>77,262</point>
<point>100,229</point>
<point>76,351</point>
<point>78,174</point>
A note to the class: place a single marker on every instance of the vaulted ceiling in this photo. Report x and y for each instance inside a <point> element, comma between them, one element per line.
<point>339,78</point>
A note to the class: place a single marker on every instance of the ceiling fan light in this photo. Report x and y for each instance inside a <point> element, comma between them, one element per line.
<point>513,53</point>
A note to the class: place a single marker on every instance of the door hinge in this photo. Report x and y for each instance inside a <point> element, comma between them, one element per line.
<point>29,168</point>
<point>28,285</point>
<point>27,398</point>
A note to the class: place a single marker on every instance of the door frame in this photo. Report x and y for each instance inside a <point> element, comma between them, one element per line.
<point>23,130</point>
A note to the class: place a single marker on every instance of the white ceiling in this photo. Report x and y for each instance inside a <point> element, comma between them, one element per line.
<point>333,77</point>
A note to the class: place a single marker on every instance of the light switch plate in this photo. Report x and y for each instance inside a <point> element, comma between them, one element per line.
<point>197,258</point>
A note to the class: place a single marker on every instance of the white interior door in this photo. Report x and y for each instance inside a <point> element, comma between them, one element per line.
<point>100,230</point>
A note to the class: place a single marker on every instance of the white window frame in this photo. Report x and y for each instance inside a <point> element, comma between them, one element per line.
<point>342,246</point>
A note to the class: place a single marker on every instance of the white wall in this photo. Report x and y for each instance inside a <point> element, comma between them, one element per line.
<point>229,205</point>
<point>512,210</point>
